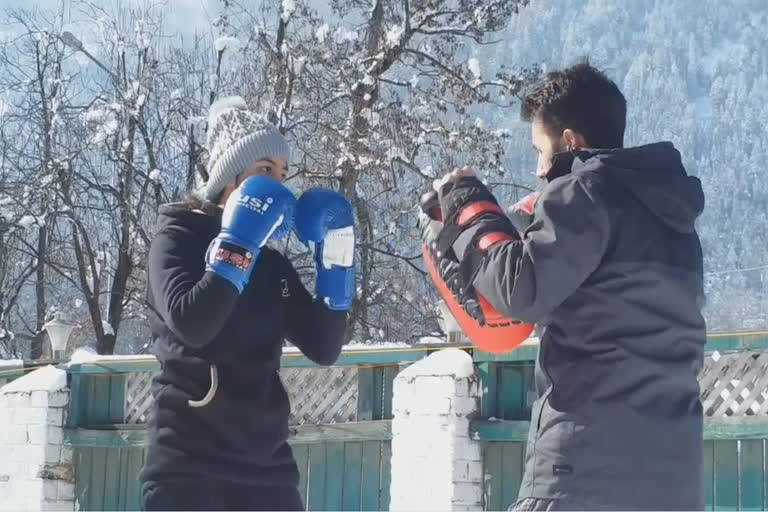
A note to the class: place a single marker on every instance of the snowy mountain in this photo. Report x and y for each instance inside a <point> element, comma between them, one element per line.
<point>693,72</point>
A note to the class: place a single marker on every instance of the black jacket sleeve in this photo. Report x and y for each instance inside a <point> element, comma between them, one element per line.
<point>316,330</point>
<point>528,279</point>
<point>194,308</point>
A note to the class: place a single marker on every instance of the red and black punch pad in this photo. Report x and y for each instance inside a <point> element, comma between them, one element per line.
<point>494,333</point>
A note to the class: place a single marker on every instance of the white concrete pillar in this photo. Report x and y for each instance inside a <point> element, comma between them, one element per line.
<point>435,463</point>
<point>36,470</point>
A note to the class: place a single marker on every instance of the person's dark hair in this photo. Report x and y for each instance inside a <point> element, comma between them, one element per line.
<point>193,201</point>
<point>580,98</point>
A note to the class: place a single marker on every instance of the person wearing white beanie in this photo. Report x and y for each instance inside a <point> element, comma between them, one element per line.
<point>241,143</point>
<point>221,303</point>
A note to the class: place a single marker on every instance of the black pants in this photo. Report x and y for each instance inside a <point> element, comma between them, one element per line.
<point>218,495</point>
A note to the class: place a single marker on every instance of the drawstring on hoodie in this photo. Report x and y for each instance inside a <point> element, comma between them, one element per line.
<point>211,391</point>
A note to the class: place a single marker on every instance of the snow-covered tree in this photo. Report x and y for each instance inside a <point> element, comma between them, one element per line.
<point>379,98</point>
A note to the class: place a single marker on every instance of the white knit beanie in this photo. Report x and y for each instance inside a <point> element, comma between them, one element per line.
<point>237,138</point>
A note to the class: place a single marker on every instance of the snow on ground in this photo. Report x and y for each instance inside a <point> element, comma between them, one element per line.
<point>9,364</point>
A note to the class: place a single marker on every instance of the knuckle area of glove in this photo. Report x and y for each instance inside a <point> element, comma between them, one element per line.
<point>463,194</point>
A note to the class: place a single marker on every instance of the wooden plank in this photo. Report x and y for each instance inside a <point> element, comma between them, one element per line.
<point>317,475</point>
<point>117,399</point>
<point>353,468</point>
<point>386,475</point>
<point>721,429</point>
<point>83,469</point>
<point>136,458</point>
<point>92,438</point>
<point>365,392</point>
<point>709,475</point>
<point>334,475</point>
<point>126,436</point>
<point>726,475</point>
<point>744,427</point>
<point>501,430</point>
<point>129,435</point>
<point>371,475</point>
<point>529,381</point>
<point>378,393</point>
<point>388,381</point>
<point>360,357</point>
<point>513,391</point>
<point>99,388</point>
<point>98,478</point>
<point>115,366</point>
<point>301,454</point>
<point>737,341</point>
<point>512,474</point>
<point>288,360</point>
<point>111,478</point>
<point>127,478</point>
<point>765,474</point>
<point>493,473</point>
<point>343,432</point>
<point>487,377</point>
<point>525,352</point>
<point>751,477</point>
<point>76,390</point>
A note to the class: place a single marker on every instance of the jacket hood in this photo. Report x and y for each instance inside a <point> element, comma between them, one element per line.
<point>205,219</point>
<point>655,175</point>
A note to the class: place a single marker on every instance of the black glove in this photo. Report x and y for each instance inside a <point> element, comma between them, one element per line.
<point>473,222</point>
<point>448,267</point>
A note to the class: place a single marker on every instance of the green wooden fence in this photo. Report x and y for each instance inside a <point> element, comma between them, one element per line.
<point>346,466</point>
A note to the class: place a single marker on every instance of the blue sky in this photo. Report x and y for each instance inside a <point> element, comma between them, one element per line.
<point>182,17</point>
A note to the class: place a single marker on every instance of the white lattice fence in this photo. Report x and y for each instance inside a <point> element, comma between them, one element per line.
<point>327,395</point>
<point>735,384</point>
<point>138,398</point>
<point>318,395</point>
<point>732,384</point>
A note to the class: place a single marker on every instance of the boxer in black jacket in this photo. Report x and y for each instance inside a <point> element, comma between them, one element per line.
<point>222,303</point>
<point>609,265</point>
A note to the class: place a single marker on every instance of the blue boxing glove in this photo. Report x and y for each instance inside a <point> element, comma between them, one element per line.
<point>259,209</point>
<point>324,219</point>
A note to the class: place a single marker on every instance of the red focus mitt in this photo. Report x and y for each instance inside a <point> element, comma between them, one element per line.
<point>485,327</point>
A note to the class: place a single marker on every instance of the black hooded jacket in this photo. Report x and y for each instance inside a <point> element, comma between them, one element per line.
<point>222,351</point>
<point>610,267</point>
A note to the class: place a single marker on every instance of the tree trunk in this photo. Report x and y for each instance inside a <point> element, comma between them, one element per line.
<point>350,176</point>
<point>42,232</point>
<point>39,338</point>
<point>124,263</point>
